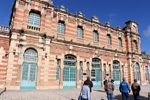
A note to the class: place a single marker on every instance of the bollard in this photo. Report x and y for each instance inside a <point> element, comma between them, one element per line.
<point>149,96</point>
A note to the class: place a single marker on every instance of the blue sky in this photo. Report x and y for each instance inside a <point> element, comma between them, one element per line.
<point>120,11</point>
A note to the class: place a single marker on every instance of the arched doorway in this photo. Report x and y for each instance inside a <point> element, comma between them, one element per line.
<point>147,77</point>
<point>96,72</point>
<point>69,72</point>
<point>116,73</point>
<point>29,69</point>
<point>137,73</point>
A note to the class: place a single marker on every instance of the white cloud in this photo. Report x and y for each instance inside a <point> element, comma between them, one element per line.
<point>147,32</point>
<point>112,14</point>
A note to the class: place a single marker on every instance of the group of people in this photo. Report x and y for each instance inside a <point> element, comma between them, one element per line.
<point>109,88</point>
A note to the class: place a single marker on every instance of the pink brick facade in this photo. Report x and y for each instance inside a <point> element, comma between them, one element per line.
<point>51,46</point>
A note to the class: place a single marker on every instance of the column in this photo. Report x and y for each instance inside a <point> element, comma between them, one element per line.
<point>141,74</point>
<point>77,76</point>
<point>102,75</point>
<point>61,73</point>
<point>111,72</point>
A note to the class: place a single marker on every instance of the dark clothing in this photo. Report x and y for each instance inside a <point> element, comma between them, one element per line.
<point>105,81</point>
<point>84,99</point>
<point>136,89</point>
<point>136,96</point>
<point>125,96</point>
<point>91,84</point>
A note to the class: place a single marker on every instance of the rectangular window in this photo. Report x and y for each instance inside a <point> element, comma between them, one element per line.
<point>104,70</point>
<point>80,73</point>
<point>109,71</point>
<point>95,36</point>
<point>87,71</point>
<point>58,70</point>
<point>134,43</point>
<point>108,40</point>
<point>61,27</point>
<point>119,42</point>
<point>79,32</point>
<point>34,19</point>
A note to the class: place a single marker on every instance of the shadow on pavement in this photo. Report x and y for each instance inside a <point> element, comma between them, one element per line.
<point>99,90</point>
<point>119,97</point>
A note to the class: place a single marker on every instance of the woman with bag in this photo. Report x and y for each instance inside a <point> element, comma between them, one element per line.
<point>86,95</point>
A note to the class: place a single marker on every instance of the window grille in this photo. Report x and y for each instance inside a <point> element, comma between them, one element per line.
<point>87,73</point>
<point>80,72</point>
<point>104,70</point>
<point>95,36</point>
<point>58,70</point>
<point>134,44</point>
<point>119,42</point>
<point>61,27</point>
<point>108,40</point>
<point>34,19</point>
<point>79,32</point>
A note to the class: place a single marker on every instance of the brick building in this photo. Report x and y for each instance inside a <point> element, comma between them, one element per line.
<point>49,48</point>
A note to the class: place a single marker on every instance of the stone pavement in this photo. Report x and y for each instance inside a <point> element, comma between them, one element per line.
<point>65,94</point>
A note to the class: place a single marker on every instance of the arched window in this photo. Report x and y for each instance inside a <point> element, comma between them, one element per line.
<point>58,70</point>
<point>147,75</point>
<point>80,72</point>
<point>29,69</point>
<point>34,18</point>
<point>96,72</point>
<point>137,73</point>
<point>119,42</point>
<point>95,36</point>
<point>135,45</point>
<point>116,72</point>
<point>79,32</point>
<point>61,27</point>
<point>69,71</point>
<point>108,39</point>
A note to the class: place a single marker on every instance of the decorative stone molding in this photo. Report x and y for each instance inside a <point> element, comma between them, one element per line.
<point>95,19</point>
<point>118,28</point>
<point>62,8</point>
<point>108,24</point>
<point>80,14</point>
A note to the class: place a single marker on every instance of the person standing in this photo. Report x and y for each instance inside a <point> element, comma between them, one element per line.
<point>135,89</point>
<point>90,83</point>
<point>109,88</point>
<point>124,88</point>
<point>86,95</point>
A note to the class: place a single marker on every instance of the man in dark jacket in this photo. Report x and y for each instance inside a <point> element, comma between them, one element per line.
<point>135,89</point>
<point>124,88</point>
<point>91,83</point>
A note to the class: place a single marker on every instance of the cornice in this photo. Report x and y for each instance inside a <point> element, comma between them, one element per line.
<point>88,20</point>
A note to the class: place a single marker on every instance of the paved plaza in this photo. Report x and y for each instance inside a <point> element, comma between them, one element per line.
<point>65,94</point>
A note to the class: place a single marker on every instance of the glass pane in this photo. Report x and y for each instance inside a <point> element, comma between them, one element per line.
<point>80,72</point>
<point>66,74</point>
<point>58,70</point>
<point>34,19</point>
<point>87,73</point>
<point>32,72</point>
<point>25,71</point>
